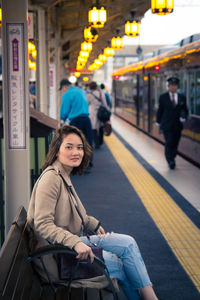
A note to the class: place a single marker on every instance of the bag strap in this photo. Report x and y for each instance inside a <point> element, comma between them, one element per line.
<point>104,270</point>
<point>99,99</point>
<point>71,193</point>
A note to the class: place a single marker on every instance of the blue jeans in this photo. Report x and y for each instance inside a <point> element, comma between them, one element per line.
<point>124,262</point>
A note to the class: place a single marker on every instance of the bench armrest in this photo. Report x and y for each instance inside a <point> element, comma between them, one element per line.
<point>55,249</point>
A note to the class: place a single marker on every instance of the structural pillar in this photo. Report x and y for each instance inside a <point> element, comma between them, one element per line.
<point>43,70</point>
<point>15,107</point>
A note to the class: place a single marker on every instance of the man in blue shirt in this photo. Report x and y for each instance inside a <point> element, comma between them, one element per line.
<point>74,107</point>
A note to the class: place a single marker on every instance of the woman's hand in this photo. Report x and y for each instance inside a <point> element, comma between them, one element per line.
<point>100,230</point>
<point>83,251</point>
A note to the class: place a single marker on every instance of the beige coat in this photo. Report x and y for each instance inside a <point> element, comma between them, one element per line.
<point>94,105</point>
<point>52,213</point>
<point>53,216</point>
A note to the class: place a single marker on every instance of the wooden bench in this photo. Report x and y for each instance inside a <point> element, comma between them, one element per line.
<point>18,280</point>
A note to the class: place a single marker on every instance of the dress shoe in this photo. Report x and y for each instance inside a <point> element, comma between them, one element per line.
<point>172,165</point>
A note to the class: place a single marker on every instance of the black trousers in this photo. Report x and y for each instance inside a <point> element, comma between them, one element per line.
<point>172,139</point>
<point>84,124</point>
<point>98,137</point>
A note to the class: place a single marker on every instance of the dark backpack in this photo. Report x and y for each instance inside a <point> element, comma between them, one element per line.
<point>103,114</point>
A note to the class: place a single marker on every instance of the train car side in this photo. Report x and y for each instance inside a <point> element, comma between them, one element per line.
<point>138,87</point>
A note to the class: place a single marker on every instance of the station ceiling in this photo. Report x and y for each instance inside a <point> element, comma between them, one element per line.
<point>68,18</point>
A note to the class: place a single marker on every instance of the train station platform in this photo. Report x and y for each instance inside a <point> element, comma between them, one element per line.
<point>132,191</point>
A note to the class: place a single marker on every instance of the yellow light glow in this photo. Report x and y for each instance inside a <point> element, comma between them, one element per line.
<point>77,74</point>
<point>81,64</point>
<point>34,53</point>
<point>86,46</point>
<point>162,7</point>
<point>88,36</point>
<point>102,57</point>
<point>91,67</point>
<point>84,54</point>
<point>132,29</point>
<point>98,62</point>
<point>79,67</point>
<point>117,42</point>
<point>32,65</point>
<point>97,17</point>
<point>31,47</point>
<point>85,79</point>
<point>0,14</point>
<point>109,52</point>
<point>82,59</point>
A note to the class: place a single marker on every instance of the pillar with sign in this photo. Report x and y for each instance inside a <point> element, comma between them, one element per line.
<point>15,106</point>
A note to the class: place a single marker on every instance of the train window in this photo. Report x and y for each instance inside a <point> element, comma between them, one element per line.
<point>197,104</point>
<point>196,37</point>
<point>183,83</point>
<point>158,90</point>
<point>191,102</point>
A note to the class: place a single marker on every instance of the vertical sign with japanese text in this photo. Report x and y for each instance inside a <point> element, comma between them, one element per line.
<point>16,87</point>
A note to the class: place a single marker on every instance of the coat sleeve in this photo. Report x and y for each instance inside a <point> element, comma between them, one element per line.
<point>46,196</point>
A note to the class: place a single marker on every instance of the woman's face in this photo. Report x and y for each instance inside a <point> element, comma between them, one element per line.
<point>71,151</point>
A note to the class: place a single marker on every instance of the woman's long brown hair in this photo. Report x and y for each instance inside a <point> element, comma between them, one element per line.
<point>56,143</point>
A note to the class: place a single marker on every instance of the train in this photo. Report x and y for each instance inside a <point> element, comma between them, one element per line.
<point>137,87</point>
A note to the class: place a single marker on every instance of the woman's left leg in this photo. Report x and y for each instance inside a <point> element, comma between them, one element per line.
<point>126,249</point>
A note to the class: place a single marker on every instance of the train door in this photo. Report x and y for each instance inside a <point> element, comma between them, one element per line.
<point>151,101</point>
<point>197,102</point>
<point>149,97</point>
<point>191,93</point>
<point>140,91</point>
<point>144,85</point>
<point>137,100</point>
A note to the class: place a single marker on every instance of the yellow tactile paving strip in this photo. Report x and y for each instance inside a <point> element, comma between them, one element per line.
<point>181,234</point>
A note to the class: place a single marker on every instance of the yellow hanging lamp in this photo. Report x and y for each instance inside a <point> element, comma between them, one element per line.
<point>97,15</point>
<point>162,7</point>
<point>132,27</point>
<point>102,58</point>
<point>117,42</point>
<point>77,74</point>
<point>90,34</point>
<point>85,46</point>
<point>108,51</point>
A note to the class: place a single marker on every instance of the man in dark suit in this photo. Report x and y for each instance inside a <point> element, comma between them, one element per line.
<point>172,113</point>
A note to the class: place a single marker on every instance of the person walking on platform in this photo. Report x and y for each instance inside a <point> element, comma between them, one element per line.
<point>172,113</point>
<point>108,98</point>
<point>74,107</point>
<point>53,215</point>
<point>95,99</point>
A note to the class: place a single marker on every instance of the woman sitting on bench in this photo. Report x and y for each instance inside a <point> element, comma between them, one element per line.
<point>53,215</point>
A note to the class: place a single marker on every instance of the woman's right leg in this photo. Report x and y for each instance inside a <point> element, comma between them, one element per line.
<point>116,270</point>
<point>125,248</point>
